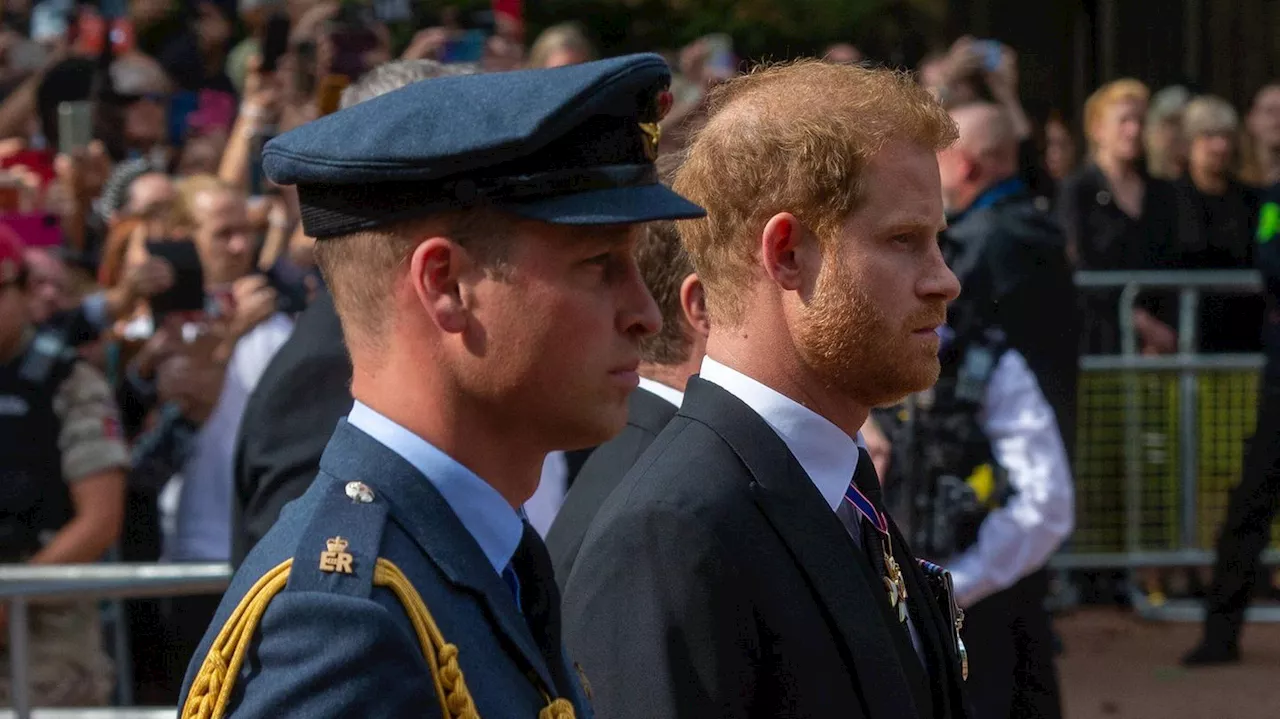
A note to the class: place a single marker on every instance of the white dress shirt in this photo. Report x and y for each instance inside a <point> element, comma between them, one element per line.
<point>544,505</point>
<point>827,454</point>
<point>1018,538</point>
<point>670,394</point>
<point>824,451</point>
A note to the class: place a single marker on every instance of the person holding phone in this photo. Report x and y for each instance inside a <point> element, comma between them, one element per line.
<point>209,382</point>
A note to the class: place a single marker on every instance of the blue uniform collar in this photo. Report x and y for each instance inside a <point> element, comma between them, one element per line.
<point>483,511</point>
<point>992,195</point>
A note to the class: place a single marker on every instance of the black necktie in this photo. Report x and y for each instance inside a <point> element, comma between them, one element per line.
<point>540,599</point>
<point>874,544</point>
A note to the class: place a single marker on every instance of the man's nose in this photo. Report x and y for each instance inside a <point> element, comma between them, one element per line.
<point>940,281</point>
<point>638,313</point>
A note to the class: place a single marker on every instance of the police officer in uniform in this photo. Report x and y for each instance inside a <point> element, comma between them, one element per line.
<point>1255,501</point>
<point>476,233</point>
<point>62,479</point>
<point>981,484</point>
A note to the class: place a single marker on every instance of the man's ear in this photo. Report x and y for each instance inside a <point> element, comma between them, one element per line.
<point>693,300</point>
<point>785,254</point>
<point>437,266</point>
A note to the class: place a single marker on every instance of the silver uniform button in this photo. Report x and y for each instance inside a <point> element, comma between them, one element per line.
<point>359,492</point>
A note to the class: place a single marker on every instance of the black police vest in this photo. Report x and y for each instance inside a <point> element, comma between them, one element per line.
<point>34,500</point>
<point>944,477</point>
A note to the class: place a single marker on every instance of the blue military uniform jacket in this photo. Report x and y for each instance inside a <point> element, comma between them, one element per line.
<point>331,644</point>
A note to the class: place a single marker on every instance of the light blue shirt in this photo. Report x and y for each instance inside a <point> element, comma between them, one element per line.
<point>485,514</point>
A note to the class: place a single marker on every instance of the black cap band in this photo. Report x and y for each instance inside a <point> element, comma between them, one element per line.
<point>335,210</point>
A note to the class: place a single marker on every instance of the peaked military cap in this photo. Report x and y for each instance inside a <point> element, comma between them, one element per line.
<point>572,145</point>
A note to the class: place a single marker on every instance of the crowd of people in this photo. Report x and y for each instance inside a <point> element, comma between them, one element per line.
<point>165,271</point>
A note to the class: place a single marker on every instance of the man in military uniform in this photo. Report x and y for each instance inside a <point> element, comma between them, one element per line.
<point>305,389</point>
<point>476,233</point>
<point>62,478</point>
<point>1246,532</point>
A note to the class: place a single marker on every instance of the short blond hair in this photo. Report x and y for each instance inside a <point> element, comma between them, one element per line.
<point>793,137</point>
<point>360,268</point>
<point>565,36</point>
<point>182,215</point>
<point>1113,93</point>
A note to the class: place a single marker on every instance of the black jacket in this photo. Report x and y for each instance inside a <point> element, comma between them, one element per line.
<point>1014,274</point>
<point>647,414</point>
<point>716,582</point>
<point>287,422</point>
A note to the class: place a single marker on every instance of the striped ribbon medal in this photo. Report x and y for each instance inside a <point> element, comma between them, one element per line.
<point>894,584</point>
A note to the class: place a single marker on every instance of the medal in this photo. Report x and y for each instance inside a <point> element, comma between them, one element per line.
<point>894,583</point>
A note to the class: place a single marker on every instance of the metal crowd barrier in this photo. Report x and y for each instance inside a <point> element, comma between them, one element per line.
<point>1160,439</point>
<point>21,584</point>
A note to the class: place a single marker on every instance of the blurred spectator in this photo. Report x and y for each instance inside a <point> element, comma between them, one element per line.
<point>208,384</point>
<point>559,45</point>
<point>62,462</point>
<point>48,285</point>
<point>843,53</point>
<point>1163,136</point>
<point>1260,151</point>
<point>1216,224</point>
<point>974,70</point>
<point>1061,152</point>
<point>254,15</point>
<point>1116,217</point>
<point>134,115</point>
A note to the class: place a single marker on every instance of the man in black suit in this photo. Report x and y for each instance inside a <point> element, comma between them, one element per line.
<point>306,388</point>
<point>668,358</point>
<point>744,567</point>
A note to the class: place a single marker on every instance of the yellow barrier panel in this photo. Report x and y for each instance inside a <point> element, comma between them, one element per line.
<point>1225,413</point>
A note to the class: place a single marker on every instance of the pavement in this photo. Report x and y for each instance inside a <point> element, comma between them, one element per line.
<point>1118,666</point>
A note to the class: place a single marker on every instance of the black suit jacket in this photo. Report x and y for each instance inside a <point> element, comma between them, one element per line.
<point>716,582</point>
<point>647,414</point>
<point>287,422</point>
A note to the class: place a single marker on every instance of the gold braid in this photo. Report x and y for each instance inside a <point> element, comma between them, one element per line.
<point>211,690</point>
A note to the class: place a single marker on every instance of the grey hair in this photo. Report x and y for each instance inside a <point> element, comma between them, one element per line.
<point>395,75</point>
<point>1209,115</point>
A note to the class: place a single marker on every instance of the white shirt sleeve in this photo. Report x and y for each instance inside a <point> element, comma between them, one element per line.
<point>1018,538</point>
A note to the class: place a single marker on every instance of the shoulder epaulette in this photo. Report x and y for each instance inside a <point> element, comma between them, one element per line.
<point>338,553</point>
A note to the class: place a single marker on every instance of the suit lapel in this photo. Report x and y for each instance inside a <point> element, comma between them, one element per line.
<point>935,632</point>
<point>817,541</point>
<point>419,509</point>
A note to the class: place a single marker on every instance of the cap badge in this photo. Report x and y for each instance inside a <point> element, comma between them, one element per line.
<point>652,135</point>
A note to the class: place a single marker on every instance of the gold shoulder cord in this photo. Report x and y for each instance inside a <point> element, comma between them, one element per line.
<point>213,684</point>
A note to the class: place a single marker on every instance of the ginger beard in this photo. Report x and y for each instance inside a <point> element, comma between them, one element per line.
<point>849,341</point>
